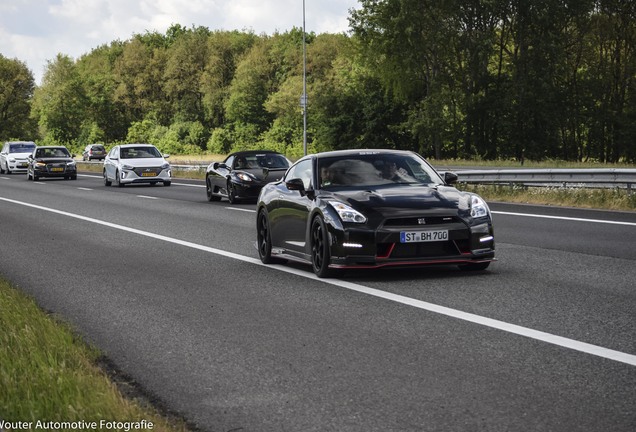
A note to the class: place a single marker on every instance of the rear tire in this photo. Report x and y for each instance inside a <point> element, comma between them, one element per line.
<point>320,250</point>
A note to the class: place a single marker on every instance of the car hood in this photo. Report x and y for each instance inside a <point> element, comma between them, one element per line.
<point>19,155</point>
<point>265,175</point>
<point>143,162</point>
<point>404,200</point>
<point>54,160</point>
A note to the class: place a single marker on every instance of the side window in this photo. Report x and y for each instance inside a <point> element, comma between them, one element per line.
<point>229,161</point>
<point>301,170</point>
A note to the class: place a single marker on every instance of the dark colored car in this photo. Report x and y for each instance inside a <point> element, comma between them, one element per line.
<point>372,208</point>
<point>51,161</point>
<point>94,151</point>
<point>242,174</point>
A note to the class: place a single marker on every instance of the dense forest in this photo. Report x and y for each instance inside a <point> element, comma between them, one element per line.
<point>484,79</point>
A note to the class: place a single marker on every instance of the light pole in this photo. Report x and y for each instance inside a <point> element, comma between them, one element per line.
<point>303,99</point>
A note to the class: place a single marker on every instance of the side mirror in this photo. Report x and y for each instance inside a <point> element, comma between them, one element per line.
<point>450,177</point>
<point>166,156</point>
<point>295,184</point>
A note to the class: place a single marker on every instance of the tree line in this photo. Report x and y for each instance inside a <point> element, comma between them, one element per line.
<point>487,79</point>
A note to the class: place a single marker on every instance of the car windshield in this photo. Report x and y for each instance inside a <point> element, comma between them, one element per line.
<point>368,169</point>
<point>257,161</point>
<point>21,148</point>
<point>139,152</point>
<point>53,152</point>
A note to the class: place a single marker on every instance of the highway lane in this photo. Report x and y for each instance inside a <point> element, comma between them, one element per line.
<point>231,344</point>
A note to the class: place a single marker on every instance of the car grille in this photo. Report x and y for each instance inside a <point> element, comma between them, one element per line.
<point>420,221</point>
<point>424,250</point>
<point>147,171</point>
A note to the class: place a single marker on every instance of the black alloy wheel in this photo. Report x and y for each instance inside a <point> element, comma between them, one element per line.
<point>320,252</point>
<point>264,239</point>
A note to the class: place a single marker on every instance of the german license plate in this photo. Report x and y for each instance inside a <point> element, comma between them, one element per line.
<point>23,165</point>
<point>57,169</point>
<point>148,174</point>
<point>423,236</point>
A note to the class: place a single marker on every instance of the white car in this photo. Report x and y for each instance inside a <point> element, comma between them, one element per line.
<point>136,163</point>
<point>13,156</point>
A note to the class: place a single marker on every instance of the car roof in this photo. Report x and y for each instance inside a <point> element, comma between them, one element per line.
<point>354,152</point>
<point>136,145</point>
<point>253,152</point>
<point>19,142</point>
<point>47,147</point>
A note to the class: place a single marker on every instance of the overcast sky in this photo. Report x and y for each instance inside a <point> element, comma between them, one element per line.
<point>35,31</point>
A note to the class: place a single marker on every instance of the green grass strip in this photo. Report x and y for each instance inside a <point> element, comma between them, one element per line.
<point>48,374</point>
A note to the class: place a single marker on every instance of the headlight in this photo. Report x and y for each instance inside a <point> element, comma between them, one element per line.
<point>11,159</point>
<point>478,207</point>
<point>40,164</point>
<point>70,164</point>
<point>127,167</point>
<point>347,214</point>
<point>165,166</point>
<point>245,177</point>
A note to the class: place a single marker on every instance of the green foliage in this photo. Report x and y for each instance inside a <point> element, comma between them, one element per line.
<point>471,79</point>
<point>16,93</point>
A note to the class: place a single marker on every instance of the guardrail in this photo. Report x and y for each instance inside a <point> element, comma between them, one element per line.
<point>602,178</point>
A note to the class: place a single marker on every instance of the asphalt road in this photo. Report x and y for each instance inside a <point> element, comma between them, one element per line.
<point>170,287</point>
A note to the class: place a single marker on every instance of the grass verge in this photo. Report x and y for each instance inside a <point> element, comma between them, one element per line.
<point>48,374</point>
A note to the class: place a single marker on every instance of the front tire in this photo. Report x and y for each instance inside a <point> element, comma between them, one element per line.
<point>209,190</point>
<point>106,181</point>
<point>118,180</point>
<point>264,239</point>
<point>231,193</point>
<point>320,250</point>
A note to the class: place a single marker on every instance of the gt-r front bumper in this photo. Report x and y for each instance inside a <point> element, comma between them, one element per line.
<point>356,247</point>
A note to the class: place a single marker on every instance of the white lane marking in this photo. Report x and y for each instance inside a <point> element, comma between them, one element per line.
<point>572,344</point>
<point>84,189</point>
<point>5,178</point>
<point>565,218</point>
<point>241,209</point>
<point>177,184</point>
<point>147,197</point>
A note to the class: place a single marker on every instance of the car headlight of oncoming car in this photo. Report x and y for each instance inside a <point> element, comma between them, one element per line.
<point>127,167</point>
<point>244,177</point>
<point>346,213</point>
<point>478,207</point>
<point>70,164</point>
<point>165,166</point>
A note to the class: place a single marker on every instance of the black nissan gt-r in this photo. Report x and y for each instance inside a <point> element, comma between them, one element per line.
<point>372,208</point>
<point>242,174</point>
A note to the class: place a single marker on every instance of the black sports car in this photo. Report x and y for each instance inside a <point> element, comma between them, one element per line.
<point>372,208</point>
<point>242,174</point>
<point>51,161</point>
